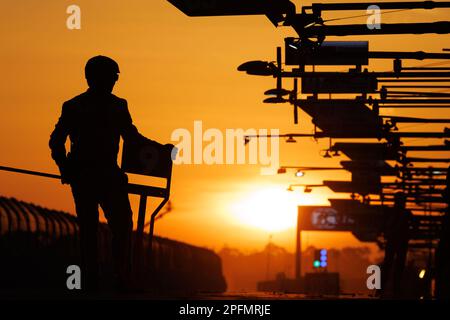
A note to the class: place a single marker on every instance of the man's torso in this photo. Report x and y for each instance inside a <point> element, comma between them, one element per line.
<point>94,126</point>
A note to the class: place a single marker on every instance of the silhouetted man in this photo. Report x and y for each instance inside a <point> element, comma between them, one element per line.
<point>94,121</point>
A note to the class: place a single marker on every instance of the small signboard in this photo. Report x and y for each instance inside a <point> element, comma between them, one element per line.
<point>314,218</point>
<point>339,53</point>
<point>363,221</point>
<point>146,158</point>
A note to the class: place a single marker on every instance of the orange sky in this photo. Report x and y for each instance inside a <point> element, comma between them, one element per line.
<point>174,70</point>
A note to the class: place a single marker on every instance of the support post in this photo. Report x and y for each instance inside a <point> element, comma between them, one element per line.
<point>298,253</point>
<point>138,245</point>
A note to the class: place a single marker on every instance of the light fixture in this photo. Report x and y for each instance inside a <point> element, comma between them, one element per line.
<point>307,189</point>
<point>336,153</point>
<point>299,173</point>
<point>277,92</point>
<point>258,68</point>
<point>281,170</point>
<point>290,139</point>
<point>290,188</point>
<point>275,100</point>
<point>422,273</point>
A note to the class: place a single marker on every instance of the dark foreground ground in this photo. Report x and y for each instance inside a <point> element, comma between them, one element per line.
<point>149,296</point>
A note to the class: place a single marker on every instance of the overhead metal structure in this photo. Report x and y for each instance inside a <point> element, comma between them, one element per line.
<point>354,104</point>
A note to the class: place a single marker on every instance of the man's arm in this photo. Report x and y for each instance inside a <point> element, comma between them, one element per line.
<point>57,141</point>
<point>129,131</point>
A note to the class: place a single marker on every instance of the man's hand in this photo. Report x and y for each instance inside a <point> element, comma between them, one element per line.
<point>173,150</point>
<point>66,173</point>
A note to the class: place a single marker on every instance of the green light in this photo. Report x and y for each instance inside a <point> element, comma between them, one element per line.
<point>316,264</point>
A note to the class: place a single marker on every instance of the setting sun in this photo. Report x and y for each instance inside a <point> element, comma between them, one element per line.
<point>270,209</point>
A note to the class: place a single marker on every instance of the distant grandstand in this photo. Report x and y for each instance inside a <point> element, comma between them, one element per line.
<point>37,245</point>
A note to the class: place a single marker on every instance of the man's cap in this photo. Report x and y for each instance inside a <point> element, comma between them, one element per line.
<point>100,65</point>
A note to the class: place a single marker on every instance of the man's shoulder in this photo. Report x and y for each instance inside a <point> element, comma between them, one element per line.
<point>83,97</point>
<point>119,101</point>
<point>75,100</point>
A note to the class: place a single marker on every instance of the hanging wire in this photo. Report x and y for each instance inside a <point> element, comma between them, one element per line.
<point>364,15</point>
<point>414,125</point>
<point>440,63</point>
<point>409,140</point>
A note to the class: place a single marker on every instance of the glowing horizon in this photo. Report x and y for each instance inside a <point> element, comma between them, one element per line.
<point>174,70</point>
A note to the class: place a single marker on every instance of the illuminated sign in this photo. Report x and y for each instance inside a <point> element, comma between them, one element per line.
<point>324,218</point>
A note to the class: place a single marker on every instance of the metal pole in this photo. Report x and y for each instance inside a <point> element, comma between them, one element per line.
<point>413,106</point>
<point>382,5</point>
<point>426,148</point>
<point>413,80</point>
<point>138,246</point>
<point>141,217</point>
<point>440,27</point>
<point>298,255</point>
<point>415,55</point>
<point>152,226</point>
<point>30,172</point>
<point>296,73</point>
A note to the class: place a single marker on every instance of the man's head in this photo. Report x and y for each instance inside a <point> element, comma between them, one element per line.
<point>101,73</point>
